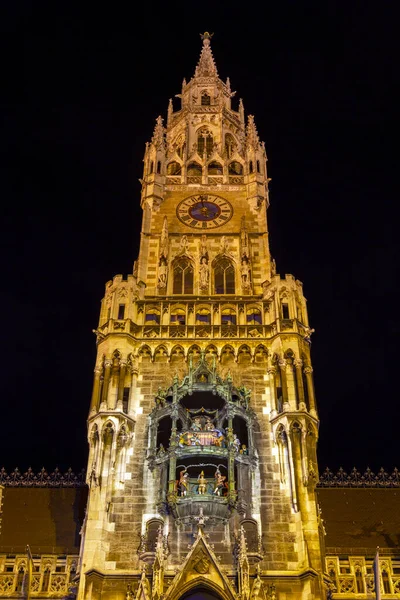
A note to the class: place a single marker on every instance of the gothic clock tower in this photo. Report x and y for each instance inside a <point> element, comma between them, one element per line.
<point>203,423</point>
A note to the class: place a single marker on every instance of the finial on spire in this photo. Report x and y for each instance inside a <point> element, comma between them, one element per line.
<point>206,37</point>
<point>206,65</point>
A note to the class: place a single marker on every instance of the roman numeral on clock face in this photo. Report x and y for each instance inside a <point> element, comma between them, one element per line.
<point>204,211</point>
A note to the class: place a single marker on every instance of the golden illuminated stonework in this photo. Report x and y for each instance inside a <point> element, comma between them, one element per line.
<point>203,424</point>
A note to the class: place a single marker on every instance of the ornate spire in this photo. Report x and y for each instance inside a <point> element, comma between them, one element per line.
<point>206,65</point>
<point>252,138</point>
<point>158,138</point>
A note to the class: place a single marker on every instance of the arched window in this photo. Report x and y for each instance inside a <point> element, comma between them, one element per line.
<point>194,170</point>
<point>151,167</point>
<point>215,168</point>
<point>152,528</point>
<point>152,317</point>
<point>251,168</point>
<point>258,167</point>
<point>205,99</point>
<point>183,277</point>
<point>228,316</point>
<point>229,145</point>
<point>253,316</point>
<point>235,168</point>
<point>203,317</point>
<point>174,168</point>
<point>158,167</point>
<point>178,317</point>
<point>205,143</point>
<point>224,277</point>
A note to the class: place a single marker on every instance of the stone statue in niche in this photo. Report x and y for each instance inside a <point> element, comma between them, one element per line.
<point>203,250</point>
<point>183,244</point>
<point>204,274</point>
<point>245,275</point>
<point>162,273</point>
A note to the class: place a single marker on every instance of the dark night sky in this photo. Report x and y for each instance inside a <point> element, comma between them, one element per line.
<point>81,88</point>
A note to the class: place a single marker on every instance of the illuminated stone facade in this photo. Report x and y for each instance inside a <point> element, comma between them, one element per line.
<point>203,424</point>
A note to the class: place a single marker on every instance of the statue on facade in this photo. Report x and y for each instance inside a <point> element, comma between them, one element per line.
<point>183,483</point>
<point>245,275</point>
<point>183,244</point>
<point>162,273</point>
<point>202,484</point>
<point>204,273</point>
<point>220,484</point>
<point>203,250</point>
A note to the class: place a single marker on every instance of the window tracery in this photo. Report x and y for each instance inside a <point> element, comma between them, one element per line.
<point>205,142</point>
<point>224,277</point>
<point>183,277</point>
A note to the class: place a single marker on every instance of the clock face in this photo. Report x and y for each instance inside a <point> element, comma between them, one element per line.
<point>204,211</point>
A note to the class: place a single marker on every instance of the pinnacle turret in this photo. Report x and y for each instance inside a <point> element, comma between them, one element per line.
<point>159,133</point>
<point>206,66</point>
<point>251,133</point>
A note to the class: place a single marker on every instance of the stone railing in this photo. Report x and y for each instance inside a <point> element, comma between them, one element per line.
<point>42,478</point>
<point>355,479</point>
<point>57,585</point>
<point>203,330</point>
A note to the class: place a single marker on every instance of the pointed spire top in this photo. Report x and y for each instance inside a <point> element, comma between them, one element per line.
<point>251,132</point>
<point>206,65</point>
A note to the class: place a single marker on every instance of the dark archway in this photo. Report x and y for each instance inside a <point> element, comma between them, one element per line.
<point>200,594</point>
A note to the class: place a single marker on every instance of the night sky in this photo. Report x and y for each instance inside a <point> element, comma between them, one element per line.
<point>82,86</point>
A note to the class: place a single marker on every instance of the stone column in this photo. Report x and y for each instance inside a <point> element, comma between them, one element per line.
<point>94,403</point>
<point>310,386</point>
<point>285,397</point>
<point>121,383</point>
<point>299,381</point>
<point>272,386</point>
<point>107,372</point>
<point>134,368</point>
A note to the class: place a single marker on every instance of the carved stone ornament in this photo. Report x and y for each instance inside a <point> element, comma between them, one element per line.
<point>201,562</point>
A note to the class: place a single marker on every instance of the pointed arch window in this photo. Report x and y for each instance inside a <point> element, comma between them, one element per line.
<point>205,143</point>
<point>151,167</point>
<point>215,168</point>
<point>194,170</point>
<point>174,168</point>
<point>251,168</point>
<point>235,168</point>
<point>205,99</point>
<point>224,277</point>
<point>258,167</point>
<point>158,167</point>
<point>183,277</point>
